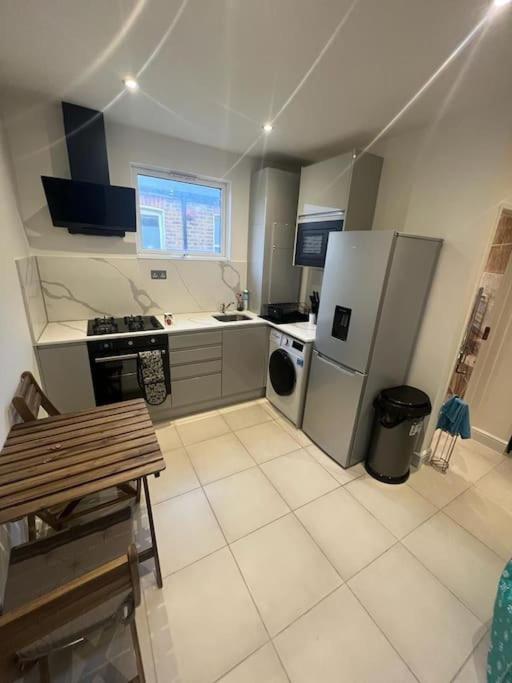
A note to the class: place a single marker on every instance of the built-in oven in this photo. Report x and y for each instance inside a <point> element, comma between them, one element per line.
<point>312,236</point>
<point>115,366</point>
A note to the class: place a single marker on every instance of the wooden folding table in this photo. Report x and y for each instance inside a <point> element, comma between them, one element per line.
<point>61,459</point>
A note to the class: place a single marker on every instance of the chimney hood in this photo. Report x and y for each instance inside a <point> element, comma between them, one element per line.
<point>87,203</point>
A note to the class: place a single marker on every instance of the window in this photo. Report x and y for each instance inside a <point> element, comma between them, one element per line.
<point>181,215</point>
<point>152,223</point>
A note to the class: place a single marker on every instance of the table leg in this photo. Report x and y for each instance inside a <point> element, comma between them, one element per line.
<point>154,545</point>
<point>31,524</point>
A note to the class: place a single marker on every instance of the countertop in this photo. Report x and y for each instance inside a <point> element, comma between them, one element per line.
<point>76,330</point>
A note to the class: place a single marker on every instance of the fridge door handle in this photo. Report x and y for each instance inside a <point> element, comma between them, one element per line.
<point>336,366</point>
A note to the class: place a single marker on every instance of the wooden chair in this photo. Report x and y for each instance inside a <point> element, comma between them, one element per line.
<point>89,583</point>
<point>26,403</point>
<point>29,398</point>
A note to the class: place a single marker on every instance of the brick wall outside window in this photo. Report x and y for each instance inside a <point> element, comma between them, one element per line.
<point>200,222</point>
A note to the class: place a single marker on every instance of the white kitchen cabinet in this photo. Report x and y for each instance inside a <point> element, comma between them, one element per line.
<point>196,364</point>
<point>271,275</point>
<point>342,183</point>
<point>66,376</point>
<point>244,359</point>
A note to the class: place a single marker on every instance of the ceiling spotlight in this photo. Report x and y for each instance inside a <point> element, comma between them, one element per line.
<point>267,127</point>
<point>131,83</point>
<point>500,3</point>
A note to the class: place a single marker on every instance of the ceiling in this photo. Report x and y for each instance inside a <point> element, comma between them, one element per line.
<point>329,73</point>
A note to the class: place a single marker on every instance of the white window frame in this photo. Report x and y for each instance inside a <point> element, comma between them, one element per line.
<point>224,185</point>
<point>161,221</point>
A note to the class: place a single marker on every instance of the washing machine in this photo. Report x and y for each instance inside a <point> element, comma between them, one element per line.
<point>288,369</point>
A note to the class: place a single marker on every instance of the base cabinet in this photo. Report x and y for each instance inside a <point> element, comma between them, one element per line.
<point>207,368</point>
<point>66,376</point>
<point>244,359</point>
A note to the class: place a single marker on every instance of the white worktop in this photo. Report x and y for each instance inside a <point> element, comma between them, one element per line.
<point>76,330</point>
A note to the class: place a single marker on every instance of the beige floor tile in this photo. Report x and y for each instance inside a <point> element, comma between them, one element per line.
<point>219,457</point>
<point>298,477</point>
<point>267,441</point>
<point>201,429</point>
<point>475,669</point>
<point>203,622</point>
<point>244,502</point>
<point>186,530</point>
<point>497,485</point>
<point>178,477</point>
<point>485,519</point>
<point>342,475</point>
<point>399,508</point>
<point>299,436</point>
<point>261,667</point>
<point>168,437</point>
<point>469,464</point>
<point>475,446</point>
<point>285,571</point>
<point>347,533</point>
<point>437,487</point>
<point>271,409</point>
<point>246,416</point>
<point>464,565</point>
<point>431,630</point>
<point>338,642</point>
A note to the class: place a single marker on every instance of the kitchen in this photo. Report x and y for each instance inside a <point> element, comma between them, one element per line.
<point>247,483</point>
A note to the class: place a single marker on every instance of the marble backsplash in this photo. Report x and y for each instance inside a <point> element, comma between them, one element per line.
<point>76,288</point>
<point>28,273</point>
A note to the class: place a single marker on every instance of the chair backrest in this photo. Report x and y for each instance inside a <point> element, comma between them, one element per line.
<point>29,397</point>
<point>25,625</point>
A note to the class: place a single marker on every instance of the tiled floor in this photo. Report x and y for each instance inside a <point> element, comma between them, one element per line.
<point>281,566</point>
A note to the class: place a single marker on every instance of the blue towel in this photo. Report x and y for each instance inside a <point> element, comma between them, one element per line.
<point>499,660</point>
<point>454,418</point>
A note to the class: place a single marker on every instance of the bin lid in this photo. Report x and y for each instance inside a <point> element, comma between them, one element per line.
<point>405,401</point>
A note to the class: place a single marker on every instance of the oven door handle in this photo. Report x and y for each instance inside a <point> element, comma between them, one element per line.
<point>125,356</point>
<point>108,359</point>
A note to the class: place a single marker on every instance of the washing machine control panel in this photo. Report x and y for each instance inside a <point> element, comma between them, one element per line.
<point>294,347</point>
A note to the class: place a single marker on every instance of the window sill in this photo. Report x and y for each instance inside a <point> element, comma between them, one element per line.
<point>177,257</point>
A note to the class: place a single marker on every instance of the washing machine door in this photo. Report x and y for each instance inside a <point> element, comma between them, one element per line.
<point>282,374</point>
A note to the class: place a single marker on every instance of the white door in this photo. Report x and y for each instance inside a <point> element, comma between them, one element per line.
<point>489,388</point>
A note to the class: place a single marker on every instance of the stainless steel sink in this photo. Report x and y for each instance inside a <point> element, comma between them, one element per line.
<point>231,317</point>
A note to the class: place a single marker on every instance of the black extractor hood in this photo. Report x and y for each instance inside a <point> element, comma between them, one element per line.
<point>87,203</point>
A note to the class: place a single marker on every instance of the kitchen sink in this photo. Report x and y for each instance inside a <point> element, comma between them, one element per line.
<point>231,317</point>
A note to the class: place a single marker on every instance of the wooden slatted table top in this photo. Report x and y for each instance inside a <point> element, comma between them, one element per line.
<point>59,459</point>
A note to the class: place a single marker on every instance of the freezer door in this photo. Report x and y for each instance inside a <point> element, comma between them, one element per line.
<point>332,403</point>
<point>352,287</point>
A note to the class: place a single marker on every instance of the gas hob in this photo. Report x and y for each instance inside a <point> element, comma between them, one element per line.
<point>126,325</point>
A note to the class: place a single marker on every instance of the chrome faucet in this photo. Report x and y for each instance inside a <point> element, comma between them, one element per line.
<point>224,307</point>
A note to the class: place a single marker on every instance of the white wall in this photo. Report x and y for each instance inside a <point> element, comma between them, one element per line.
<point>447,181</point>
<point>36,140</point>
<point>15,344</point>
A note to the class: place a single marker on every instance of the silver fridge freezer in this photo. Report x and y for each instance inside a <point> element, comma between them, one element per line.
<point>374,291</point>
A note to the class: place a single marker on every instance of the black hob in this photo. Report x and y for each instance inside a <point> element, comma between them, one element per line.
<point>125,325</point>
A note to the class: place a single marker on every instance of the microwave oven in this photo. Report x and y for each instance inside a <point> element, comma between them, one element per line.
<point>312,236</point>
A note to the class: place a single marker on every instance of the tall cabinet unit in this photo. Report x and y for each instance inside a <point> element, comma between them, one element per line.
<point>341,183</point>
<point>271,276</point>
